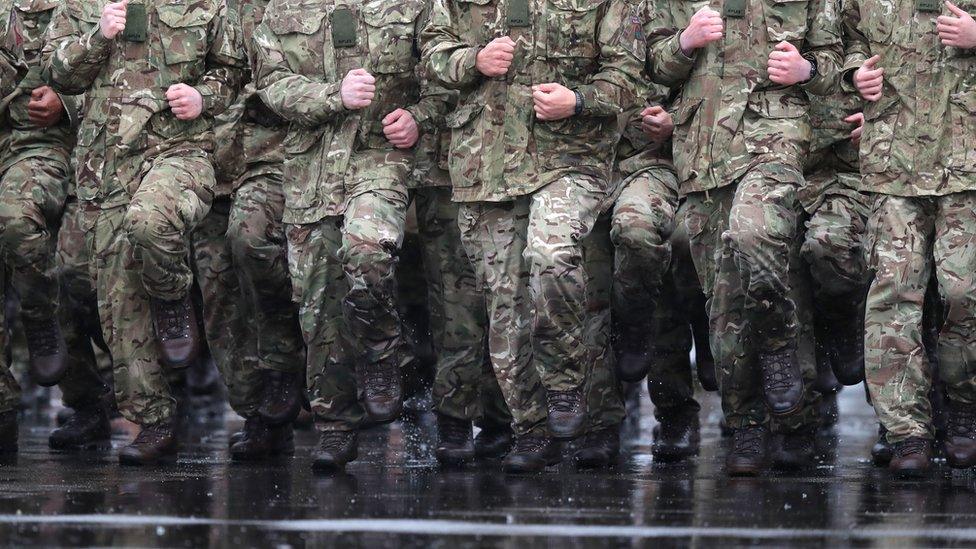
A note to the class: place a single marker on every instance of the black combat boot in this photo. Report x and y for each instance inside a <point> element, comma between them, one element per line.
<point>782,383</point>
<point>153,444</point>
<point>87,429</point>
<point>282,397</point>
<point>259,440</point>
<point>828,411</point>
<point>336,449</point>
<point>382,391</point>
<point>493,442</point>
<point>704,361</point>
<point>960,438</point>
<point>598,448</point>
<point>844,340</point>
<point>567,413</point>
<point>236,436</point>
<point>747,453</point>
<point>882,451</point>
<point>633,348</point>
<point>48,351</point>
<point>911,457</point>
<point>532,454</point>
<point>177,332</point>
<point>794,450</point>
<point>455,445</point>
<point>8,433</point>
<point>677,436</point>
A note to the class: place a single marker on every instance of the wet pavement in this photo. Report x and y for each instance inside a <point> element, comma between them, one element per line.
<point>394,495</point>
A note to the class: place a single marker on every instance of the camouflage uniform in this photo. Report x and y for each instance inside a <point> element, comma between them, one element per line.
<point>739,141</point>
<point>531,191</point>
<point>144,177</point>
<point>12,69</point>
<point>345,185</point>
<point>240,249</point>
<point>918,158</point>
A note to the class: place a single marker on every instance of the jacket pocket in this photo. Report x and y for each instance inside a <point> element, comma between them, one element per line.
<point>962,116</point>
<point>299,36</point>
<point>391,35</point>
<point>777,123</point>
<point>572,28</point>
<point>685,138</point>
<point>302,170</point>
<point>880,125</point>
<point>183,31</point>
<point>786,19</point>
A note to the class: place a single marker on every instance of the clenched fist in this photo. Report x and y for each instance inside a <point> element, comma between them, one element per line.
<point>358,89</point>
<point>44,108</point>
<point>185,101</point>
<point>705,27</point>
<point>113,19</point>
<point>657,124</point>
<point>869,79</point>
<point>495,58</point>
<point>786,66</point>
<point>958,31</point>
<point>401,129</point>
<point>553,101</point>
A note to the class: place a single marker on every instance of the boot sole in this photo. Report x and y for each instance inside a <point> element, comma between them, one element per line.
<point>91,446</point>
<point>601,463</point>
<point>796,407</point>
<point>674,456</point>
<point>453,460</point>
<point>911,473</point>
<point>136,462</point>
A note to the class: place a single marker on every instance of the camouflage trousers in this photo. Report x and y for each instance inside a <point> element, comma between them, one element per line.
<point>228,327</point>
<point>343,273</point>
<point>256,235</point>
<point>745,243</point>
<point>84,382</point>
<point>909,238</point>
<point>32,195</point>
<point>680,304</point>
<point>141,251</point>
<point>528,255</point>
<point>463,387</point>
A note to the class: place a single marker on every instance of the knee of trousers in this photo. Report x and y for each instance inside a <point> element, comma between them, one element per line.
<point>251,243</point>
<point>640,239</point>
<point>147,227</point>
<point>838,267</point>
<point>960,304</point>
<point>765,257</point>
<point>370,266</point>
<point>18,227</point>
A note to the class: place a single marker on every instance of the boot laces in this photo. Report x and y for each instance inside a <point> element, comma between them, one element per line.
<point>80,420</point>
<point>150,435</point>
<point>42,337</point>
<point>529,445</point>
<point>911,446</point>
<point>778,375</point>
<point>334,441</point>
<point>382,380</point>
<point>962,422</point>
<point>564,401</point>
<point>173,319</point>
<point>748,441</point>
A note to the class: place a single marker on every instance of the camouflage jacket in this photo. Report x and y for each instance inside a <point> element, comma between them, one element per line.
<point>127,122</point>
<point>28,140</point>
<point>729,117</point>
<point>430,165</point>
<point>334,154</point>
<point>249,134</point>
<point>920,138</point>
<point>831,149</point>
<point>12,64</point>
<point>498,149</point>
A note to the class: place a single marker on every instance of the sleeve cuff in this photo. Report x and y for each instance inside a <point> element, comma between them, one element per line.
<point>98,47</point>
<point>210,101</point>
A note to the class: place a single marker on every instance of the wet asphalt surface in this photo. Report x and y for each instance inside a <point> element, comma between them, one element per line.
<point>395,495</point>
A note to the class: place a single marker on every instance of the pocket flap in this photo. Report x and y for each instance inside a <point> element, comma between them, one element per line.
<point>577,5</point>
<point>35,6</point>
<point>777,105</point>
<point>380,13</point>
<point>179,15</point>
<point>684,111</point>
<point>291,22</point>
<point>464,114</point>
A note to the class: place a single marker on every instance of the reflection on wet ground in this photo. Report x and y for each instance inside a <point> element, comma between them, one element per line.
<point>396,496</point>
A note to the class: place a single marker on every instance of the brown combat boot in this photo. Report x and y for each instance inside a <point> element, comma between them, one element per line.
<point>177,332</point>
<point>677,436</point>
<point>532,454</point>
<point>8,433</point>
<point>781,382</point>
<point>336,449</point>
<point>259,440</point>
<point>960,440</point>
<point>598,449</point>
<point>153,444</point>
<point>567,413</point>
<point>48,351</point>
<point>283,396</point>
<point>747,454</point>
<point>911,457</point>
<point>455,445</point>
<point>382,390</point>
<point>87,429</point>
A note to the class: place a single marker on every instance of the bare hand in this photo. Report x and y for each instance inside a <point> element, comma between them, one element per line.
<point>786,66</point>
<point>858,119</point>
<point>358,89</point>
<point>958,31</point>
<point>495,58</point>
<point>185,101</point>
<point>657,124</point>
<point>869,79</point>
<point>705,27</point>
<point>553,101</point>
<point>44,108</point>
<point>113,19</point>
<point>401,129</point>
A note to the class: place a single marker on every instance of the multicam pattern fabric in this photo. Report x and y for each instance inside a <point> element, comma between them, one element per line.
<point>499,150</point>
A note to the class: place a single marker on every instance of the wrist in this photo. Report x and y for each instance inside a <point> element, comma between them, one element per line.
<point>580,103</point>
<point>684,46</point>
